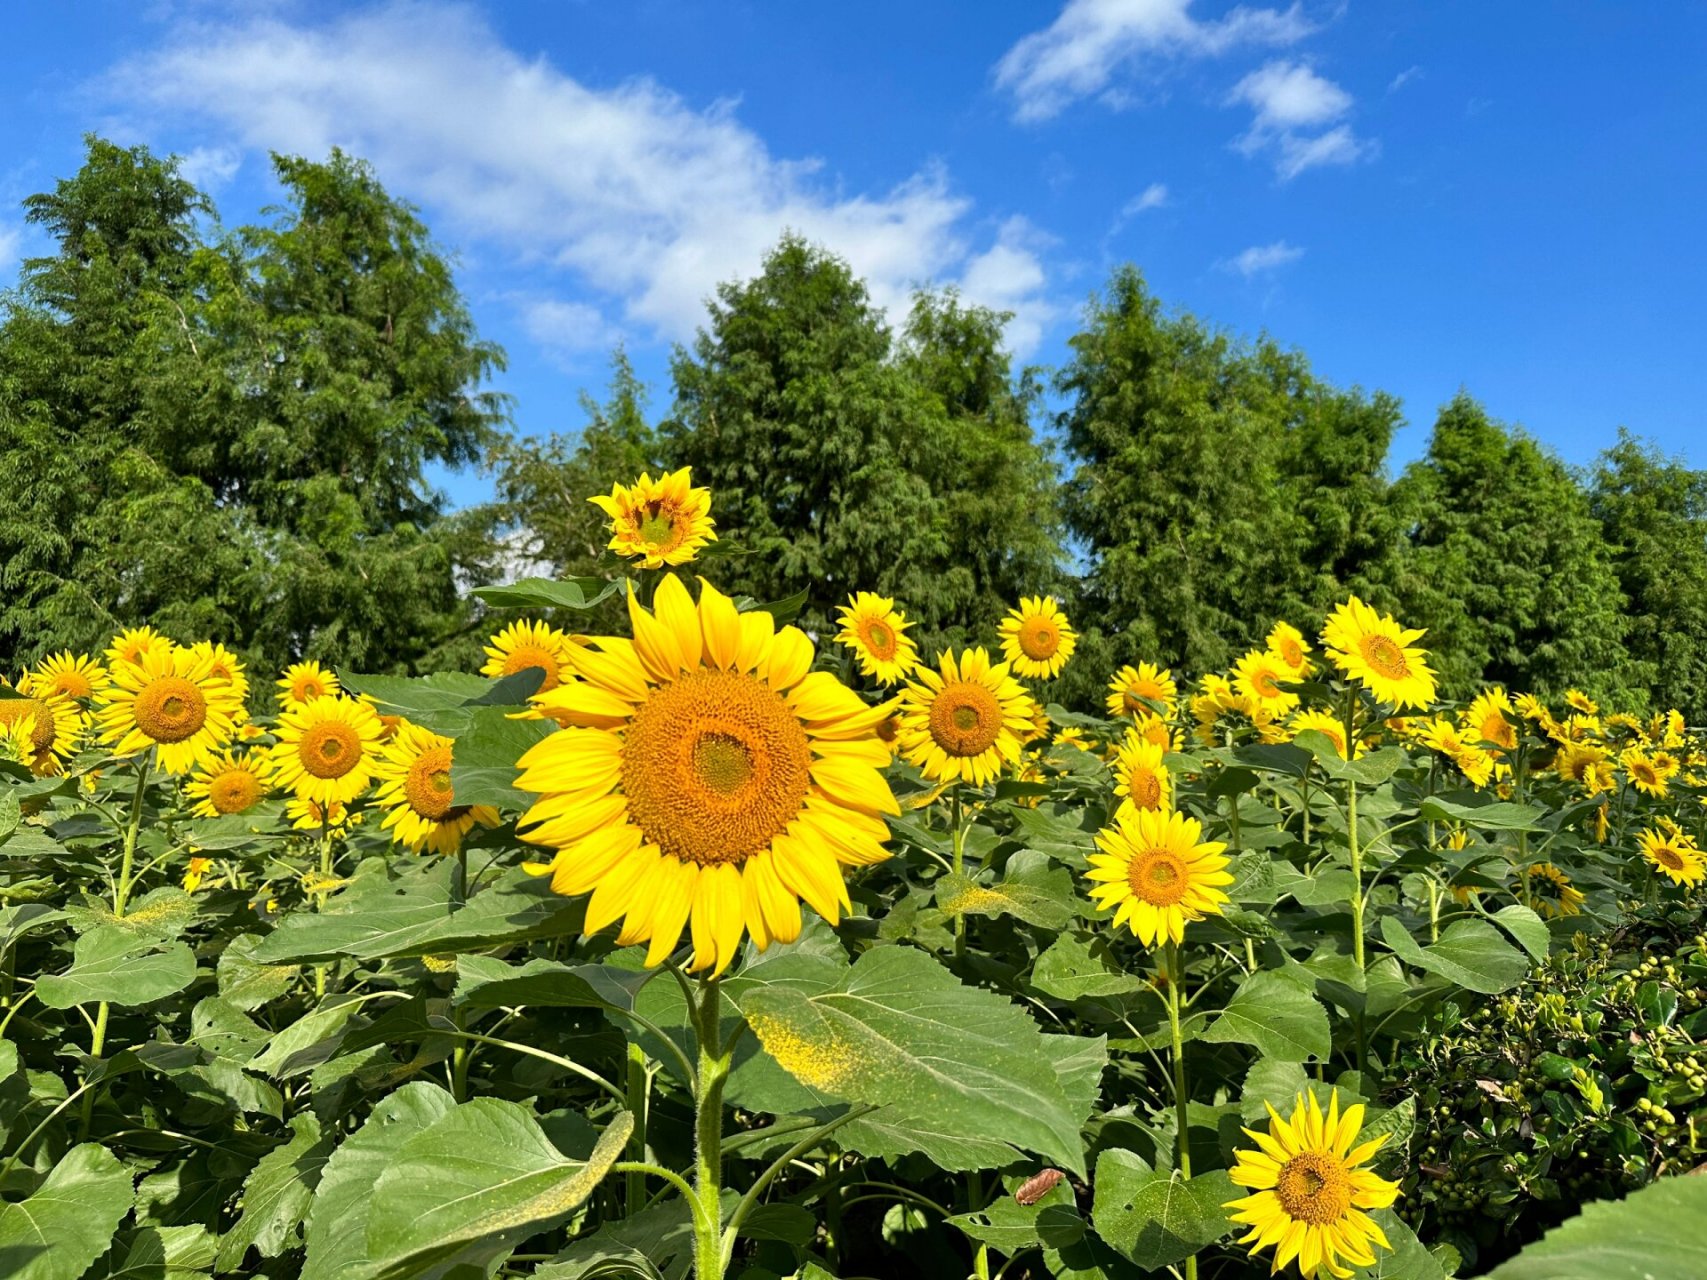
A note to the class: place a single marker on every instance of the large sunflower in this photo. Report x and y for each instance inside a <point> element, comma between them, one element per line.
<point>660,522</point>
<point>326,749</point>
<point>1672,854</point>
<point>1259,675</point>
<point>72,675</point>
<point>1134,688</point>
<point>1140,775</point>
<point>876,632</point>
<point>530,644</point>
<point>169,699</point>
<point>45,728</point>
<point>415,785</point>
<point>303,682</point>
<point>964,721</point>
<point>1158,873</point>
<point>1646,776</point>
<point>1037,639</point>
<point>1486,720</point>
<point>1311,1195</point>
<point>1376,650</point>
<point>1287,643</point>
<point>706,778</point>
<point>234,783</point>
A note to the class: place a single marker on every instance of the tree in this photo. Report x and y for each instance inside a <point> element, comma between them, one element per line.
<point>1506,565</point>
<point>1653,511</point>
<point>839,463</point>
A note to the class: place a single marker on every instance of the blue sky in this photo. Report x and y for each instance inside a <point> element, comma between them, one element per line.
<point>1503,198</point>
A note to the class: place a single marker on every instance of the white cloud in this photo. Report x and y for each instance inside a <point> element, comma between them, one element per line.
<point>11,240</point>
<point>1009,277</point>
<point>210,168</point>
<point>569,332</point>
<point>1260,259</point>
<point>637,194</point>
<point>1153,196</point>
<point>1078,54</point>
<point>1291,102</point>
<point>1404,78</point>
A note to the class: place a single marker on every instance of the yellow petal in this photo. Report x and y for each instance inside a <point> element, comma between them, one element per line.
<point>789,660</point>
<point>674,607</point>
<point>720,624</point>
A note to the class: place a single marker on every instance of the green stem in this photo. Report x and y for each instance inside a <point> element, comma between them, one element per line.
<point>1182,1105</point>
<point>121,899</point>
<point>750,1201</point>
<point>639,1091</point>
<point>1357,896</point>
<point>711,1250</point>
<point>959,863</point>
<point>320,896</point>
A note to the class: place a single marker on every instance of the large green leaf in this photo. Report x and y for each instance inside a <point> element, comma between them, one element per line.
<point>1154,1216</point>
<point>59,1231</point>
<point>484,982</point>
<point>1033,889</point>
<point>111,964</point>
<point>474,1184</point>
<point>544,593</point>
<point>899,1029</point>
<point>1498,815</point>
<point>1010,1226</point>
<point>1278,1016</point>
<point>483,762</point>
<point>1470,953</point>
<point>1077,968</point>
<point>276,1195</point>
<point>1652,1234</point>
<point>446,701</point>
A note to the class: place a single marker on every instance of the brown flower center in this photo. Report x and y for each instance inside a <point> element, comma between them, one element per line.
<point>170,709</point>
<point>1145,788</point>
<point>1386,657</point>
<point>330,749</point>
<point>966,719</point>
<point>879,637</point>
<point>1313,1187</point>
<point>42,729</point>
<point>1159,877</point>
<point>234,791</point>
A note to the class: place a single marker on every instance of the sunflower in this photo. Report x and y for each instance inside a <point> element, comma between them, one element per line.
<point>415,785</point>
<point>310,815</point>
<point>1134,688</point>
<point>1322,722</point>
<point>875,630</point>
<point>303,682</point>
<point>1580,701</point>
<point>195,873</point>
<point>325,749</point>
<point>1037,639</point>
<point>1157,873</point>
<point>707,778</point>
<point>171,700</point>
<point>1310,1194</point>
<point>1552,891</point>
<point>1258,676</point>
<point>227,667</point>
<point>1140,775</point>
<point>1644,774</point>
<point>531,644</point>
<point>129,647</point>
<point>1287,643</point>
<point>1581,762</point>
<point>1443,736</point>
<point>1376,650</point>
<point>70,675</point>
<point>662,521</point>
<point>1152,728</point>
<point>1672,854</point>
<point>233,783</point>
<point>965,720</point>
<point>46,730</point>
<point>1485,719</point>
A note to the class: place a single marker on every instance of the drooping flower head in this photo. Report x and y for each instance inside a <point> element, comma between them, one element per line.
<point>1552,892</point>
<point>303,682</point>
<point>1322,722</point>
<point>1140,775</point>
<point>964,721</point>
<point>706,778</point>
<point>659,522</point>
<point>1037,639</point>
<point>531,644</point>
<point>45,728</point>
<point>875,630</point>
<point>171,700</point>
<point>67,674</point>
<point>1134,688</point>
<point>1310,1192</point>
<point>234,783</point>
<point>416,790</point>
<point>1375,650</point>
<point>1158,873</point>
<point>326,749</point>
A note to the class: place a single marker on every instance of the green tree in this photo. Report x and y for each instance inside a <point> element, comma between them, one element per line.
<point>1506,564</point>
<point>841,461</point>
<point>1653,511</point>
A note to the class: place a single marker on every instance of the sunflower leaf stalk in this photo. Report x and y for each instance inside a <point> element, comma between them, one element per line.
<point>1174,974</point>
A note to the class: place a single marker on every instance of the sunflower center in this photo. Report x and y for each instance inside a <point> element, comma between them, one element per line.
<point>1313,1187</point>
<point>658,527</point>
<point>170,709</point>
<point>880,639</point>
<point>524,656</point>
<point>966,719</point>
<point>73,684</point>
<point>1265,685</point>
<point>1386,657</point>
<point>427,785</point>
<point>1290,653</point>
<point>307,688</point>
<point>42,728</point>
<point>1643,772</point>
<point>329,749</point>
<point>1159,877</point>
<point>1145,788</point>
<point>714,766</point>
<point>1497,730</point>
<point>1668,858</point>
<point>235,791</point>
<point>1039,638</point>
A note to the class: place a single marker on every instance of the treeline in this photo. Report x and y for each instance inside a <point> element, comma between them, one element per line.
<point>226,433</point>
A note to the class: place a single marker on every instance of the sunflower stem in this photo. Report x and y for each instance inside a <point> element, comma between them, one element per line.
<point>1175,974</point>
<point>714,1056</point>
<point>320,893</point>
<point>639,1090</point>
<point>121,898</point>
<point>1357,899</point>
<point>959,862</point>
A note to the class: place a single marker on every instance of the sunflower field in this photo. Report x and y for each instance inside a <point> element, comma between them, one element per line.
<point>717,949</point>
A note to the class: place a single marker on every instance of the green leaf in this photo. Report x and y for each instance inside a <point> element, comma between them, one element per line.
<point>16,921</point>
<point>544,593</point>
<point>1080,967</point>
<point>1278,1016</point>
<point>1033,889</point>
<point>1154,1216</point>
<point>1010,1226</point>
<point>1270,1083</point>
<point>444,702</point>
<point>900,1029</point>
<point>1653,1232</point>
<point>1470,953</point>
<point>1499,815</point>
<point>474,1184</point>
<point>483,762</point>
<point>57,1233</point>
<point>1407,1260</point>
<point>788,608</point>
<point>338,1218</point>
<point>487,983</point>
<point>276,1195</point>
<point>247,983</point>
<point>1529,929</point>
<point>158,916</point>
<point>112,965</point>
<point>10,814</point>
<point>164,1253</point>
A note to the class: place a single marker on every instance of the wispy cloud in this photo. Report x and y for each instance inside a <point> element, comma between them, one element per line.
<point>1404,78</point>
<point>572,334</point>
<point>10,241</point>
<point>210,168</point>
<point>1079,54</point>
<point>1154,196</point>
<point>645,200</point>
<point>1294,108</point>
<point>1260,259</point>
